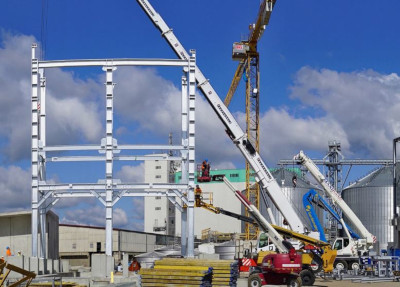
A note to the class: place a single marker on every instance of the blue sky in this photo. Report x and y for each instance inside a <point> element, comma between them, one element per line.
<point>329,70</point>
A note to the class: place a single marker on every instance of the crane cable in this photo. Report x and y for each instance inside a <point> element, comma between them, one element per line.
<point>43,28</point>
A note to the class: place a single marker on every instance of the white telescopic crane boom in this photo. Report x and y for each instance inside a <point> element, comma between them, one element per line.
<point>336,198</point>
<point>262,173</point>
<point>265,226</point>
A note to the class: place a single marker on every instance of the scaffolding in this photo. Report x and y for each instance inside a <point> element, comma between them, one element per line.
<point>109,190</point>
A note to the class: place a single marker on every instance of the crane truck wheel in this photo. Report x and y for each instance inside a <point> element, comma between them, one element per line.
<point>294,282</point>
<point>354,265</point>
<point>307,277</point>
<point>341,265</point>
<point>317,264</point>
<point>254,280</point>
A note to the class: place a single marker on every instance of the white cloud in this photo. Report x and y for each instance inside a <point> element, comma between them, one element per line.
<point>364,104</point>
<point>144,97</point>
<point>282,135</point>
<point>15,189</point>
<point>96,218</point>
<point>129,173</point>
<point>138,208</point>
<point>224,165</point>
<point>70,119</point>
<point>71,106</point>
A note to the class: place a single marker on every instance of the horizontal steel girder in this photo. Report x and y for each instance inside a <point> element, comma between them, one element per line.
<point>112,62</point>
<point>120,147</point>
<point>146,187</point>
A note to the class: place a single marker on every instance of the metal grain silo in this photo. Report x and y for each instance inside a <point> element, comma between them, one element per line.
<point>371,199</point>
<point>294,194</point>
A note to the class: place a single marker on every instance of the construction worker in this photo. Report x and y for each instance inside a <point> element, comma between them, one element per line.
<point>8,251</point>
<point>197,196</point>
<point>134,266</point>
<point>205,168</point>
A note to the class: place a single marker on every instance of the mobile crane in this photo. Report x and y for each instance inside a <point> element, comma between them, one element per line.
<point>348,248</point>
<point>261,172</point>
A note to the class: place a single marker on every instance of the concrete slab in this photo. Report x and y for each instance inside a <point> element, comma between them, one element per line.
<point>102,265</point>
<point>34,265</point>
<point>64,266</point>
<point>125,265</point>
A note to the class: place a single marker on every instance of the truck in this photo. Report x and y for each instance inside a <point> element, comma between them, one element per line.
<point>349,248</point>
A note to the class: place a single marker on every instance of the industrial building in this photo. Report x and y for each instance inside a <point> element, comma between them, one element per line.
<point>371,198</point>
<point>161,215</point>
<point>78,243</point>
<point>15,232</point>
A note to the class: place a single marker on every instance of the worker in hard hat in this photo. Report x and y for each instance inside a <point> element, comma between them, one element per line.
<point>197,196</point>
<point>8,251</point>
<point>205,168</point>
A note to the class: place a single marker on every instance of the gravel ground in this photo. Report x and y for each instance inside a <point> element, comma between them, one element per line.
<point>242,282</point>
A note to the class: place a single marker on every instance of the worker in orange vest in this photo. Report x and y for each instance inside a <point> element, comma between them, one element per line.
<point>197,196</point>
<point>8,251</point>
<point>135,265</point>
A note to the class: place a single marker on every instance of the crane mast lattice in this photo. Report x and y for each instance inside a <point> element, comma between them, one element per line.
<point>248,56</point>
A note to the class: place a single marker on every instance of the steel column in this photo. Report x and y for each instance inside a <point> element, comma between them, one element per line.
<point>192,106</point>
<point>109,158</point>
<point>184,155</point>
<point>42,162</point>
<point>35,150</point>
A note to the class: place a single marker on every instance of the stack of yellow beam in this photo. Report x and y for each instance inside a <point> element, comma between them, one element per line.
<point>169,274</point>
<point>61,284</point>
<point>225,272</point>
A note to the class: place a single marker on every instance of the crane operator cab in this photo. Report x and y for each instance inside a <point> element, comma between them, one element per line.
<point>340,243</point>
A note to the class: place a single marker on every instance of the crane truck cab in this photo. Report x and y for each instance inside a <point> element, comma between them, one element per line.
<point>349,251</point>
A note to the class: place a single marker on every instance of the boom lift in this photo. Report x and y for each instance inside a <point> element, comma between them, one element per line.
<point>313,197</point>
<point>348,249</point>
<point>198,197</point>
<point>261,172</point>
<point>313,251</point>
<point>204,173</point>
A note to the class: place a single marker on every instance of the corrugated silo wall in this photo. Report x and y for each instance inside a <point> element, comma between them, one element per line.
<point>373,206</point>
<point>295,196</point>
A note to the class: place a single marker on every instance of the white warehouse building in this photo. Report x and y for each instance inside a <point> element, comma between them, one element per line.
<point>162,217</point>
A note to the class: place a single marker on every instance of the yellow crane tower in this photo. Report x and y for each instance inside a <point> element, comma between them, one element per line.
<point>246,53</point>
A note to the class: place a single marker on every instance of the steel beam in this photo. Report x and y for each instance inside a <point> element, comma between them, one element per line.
<point>111,62</point>
<point>99,186</point>
<point>115,158</point>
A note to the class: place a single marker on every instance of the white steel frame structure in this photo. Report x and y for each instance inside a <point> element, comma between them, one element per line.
<point>109,190</point>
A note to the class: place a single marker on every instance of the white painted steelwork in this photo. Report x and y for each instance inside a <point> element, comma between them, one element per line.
<point>107,190</point>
